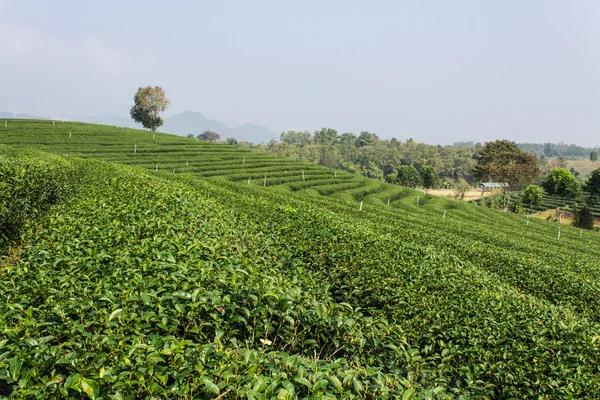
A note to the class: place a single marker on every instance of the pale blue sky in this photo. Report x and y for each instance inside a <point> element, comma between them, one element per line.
<point>436,71</point>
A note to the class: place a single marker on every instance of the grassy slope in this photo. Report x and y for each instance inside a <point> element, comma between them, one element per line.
<point>476,303</point>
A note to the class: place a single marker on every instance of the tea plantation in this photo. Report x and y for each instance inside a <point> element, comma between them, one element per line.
<point>187,274</point>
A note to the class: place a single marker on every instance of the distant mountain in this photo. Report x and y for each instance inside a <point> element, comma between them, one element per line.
<point>195,123</point>
<point>179,124</point>
<point>4,114</point>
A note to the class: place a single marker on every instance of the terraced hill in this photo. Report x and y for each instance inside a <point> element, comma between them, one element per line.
<point>196,284</point>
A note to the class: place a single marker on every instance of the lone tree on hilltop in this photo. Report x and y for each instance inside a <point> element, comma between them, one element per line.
<point>503,162</point>
<point>149,102</point>
<point>209,136</point>
<point>594,156</point>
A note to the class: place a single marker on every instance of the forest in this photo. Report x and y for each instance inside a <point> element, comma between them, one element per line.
<point>373,157</point>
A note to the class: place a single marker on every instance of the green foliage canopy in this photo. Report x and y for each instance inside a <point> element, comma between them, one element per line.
<point>408,176</point>
<point>149,102</point>
<point>503,162</point>
<point>429,177</point>
<point>561,183</point>
<point>533,196</point>
<point>325,136</point>
<point>592,186</point>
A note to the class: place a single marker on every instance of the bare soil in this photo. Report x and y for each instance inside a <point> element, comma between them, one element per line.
<point>567,219</point>
<point>472,194</point>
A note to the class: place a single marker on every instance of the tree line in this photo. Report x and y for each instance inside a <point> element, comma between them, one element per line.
<point>368,155</point>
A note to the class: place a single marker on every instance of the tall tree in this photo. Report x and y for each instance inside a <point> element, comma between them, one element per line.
<point>594,156</point>
<point>561,183</point>
<point>584,218</point>
<point>325,136</point>
<point>429,177</point>
<point>503,162</point>
<point>592,186</point>
<point>409,176</point>
<point>149,102</point>
<point>365,139</point>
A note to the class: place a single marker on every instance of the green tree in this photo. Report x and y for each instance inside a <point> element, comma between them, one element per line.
<point>584,218</point>
<point>149,102</point>
<point>232,141</point>
<point>348,139</point>
<point>503,162</point>
<point>592,186</point>
<point>533,196</point>
<point>594,156</point>
<point>409,176</point>
<point>209,136</point>
<point>429,178</point>
<point>296,138</point>
<point>365,139</point>
<point>560,183</point>
<point>325,136</point>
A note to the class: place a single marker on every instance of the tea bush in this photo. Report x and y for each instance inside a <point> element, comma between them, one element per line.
<point>195,284</point>
<point>30,182</point>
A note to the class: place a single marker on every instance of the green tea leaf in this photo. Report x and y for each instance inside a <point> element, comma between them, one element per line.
<point>91,388</point>
<point>211,387</point>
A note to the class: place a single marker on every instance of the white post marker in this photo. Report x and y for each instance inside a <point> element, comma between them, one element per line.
<point>70,136</point>
<point>134,148</point>
<point>157,167</point>
<point>580,233</point>
<point>303,175</point>
<point>388,201</point>
<point>444,214</point>
<point>360,206</point>
<point>248,181</point>
<point>173,171</point>
<point>52,122</point>
<point>559,233</point>
<point>527,224</point>
<point>187,163</point>
<point>335,174</point>
<point>265,183</point>
<point>417,200</point>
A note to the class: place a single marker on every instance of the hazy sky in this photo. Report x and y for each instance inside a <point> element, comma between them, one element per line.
<point>436,71</point>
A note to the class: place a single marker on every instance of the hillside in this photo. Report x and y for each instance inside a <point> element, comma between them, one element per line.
<point>200,270</point>
<point>181,124</point>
